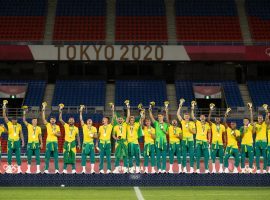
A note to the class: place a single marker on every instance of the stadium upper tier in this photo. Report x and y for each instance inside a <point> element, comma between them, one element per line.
<point>259,19</point>
<point>22,20</point>
<point>133,21</point>
<point>80,20</point>
<point>207,20</point>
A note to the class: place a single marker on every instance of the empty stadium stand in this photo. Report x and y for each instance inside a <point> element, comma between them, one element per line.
<point>207,21</point>
<point>140,92</point>
<point>80,20</point>
<point>259,92</point>
<point>259,19</point>
<point>74,93</point>
<point>184,89</point>
<point>140,21</point>
<point>22,20</point>
<point>35,90</point>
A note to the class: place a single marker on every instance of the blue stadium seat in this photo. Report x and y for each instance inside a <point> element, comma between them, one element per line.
<point>259,92</point>
<point>140,91</point>
<point>75,93</point>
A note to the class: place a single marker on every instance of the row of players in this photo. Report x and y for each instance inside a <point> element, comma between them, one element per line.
<point>216,139</point>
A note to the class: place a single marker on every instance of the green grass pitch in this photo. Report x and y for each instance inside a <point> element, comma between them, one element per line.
<point>148,193</point>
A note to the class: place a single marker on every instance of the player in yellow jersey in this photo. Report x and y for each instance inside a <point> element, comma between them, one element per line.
<point>268,146</point>
<point>260,129</point>
<point>53,132</point>
<point>34,143</point>
<point>218,135</point>
<point>175,134</point>
<point>247,149</point>
<point>104,146</point>
<point>232,138</point>
<point>88,147</point>
<point>203,134</point>
<point>69,148</point>
<point>121,148</point>
<point>133,143</point>
<point>149,134</point>
<point>187,143</point>
<point>2,130</point>
<point>15,134</point>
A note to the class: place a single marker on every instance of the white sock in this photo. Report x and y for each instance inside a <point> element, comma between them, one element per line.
<point>213,165</point>
<point>179,166</point>
<point>221,166</point>
<point>153,169</point>
<point>92,166</point>
<point>83,168</point>
<point>171,166</point>
<point>38,167</point>
<point>28,167</point>
<point>19,167</point>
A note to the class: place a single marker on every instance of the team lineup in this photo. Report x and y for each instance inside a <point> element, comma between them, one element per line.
<point>181,138</point>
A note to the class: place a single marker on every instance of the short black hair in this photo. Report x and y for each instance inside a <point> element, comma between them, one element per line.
<point>52,117</point>
<point>14,118</point>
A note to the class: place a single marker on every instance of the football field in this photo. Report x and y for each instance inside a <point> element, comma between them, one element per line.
<point>147,193</point>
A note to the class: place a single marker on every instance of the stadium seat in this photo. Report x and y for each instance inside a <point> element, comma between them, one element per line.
<point>140,91</point>
<point>259,92</point>
<point>75,93</point>
<point>22,20</point>
<point>80,20</point>
<point>259,19</point>
<point>139,21</point>
<point>207,21</point>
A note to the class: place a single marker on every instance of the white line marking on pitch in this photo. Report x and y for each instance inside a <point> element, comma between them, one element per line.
<point>138,193</point>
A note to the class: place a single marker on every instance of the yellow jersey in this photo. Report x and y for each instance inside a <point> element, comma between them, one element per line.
<point>174,133</point>
<point>14,131</point>
<point>2,129</point>
<point>33,133</point>
<point>70,132</point>
<point>132,133</point>
<point>217,131</point>
<point>268,135</point>
<point>247,135</point>
<point>186,126</point>
<point>51,131</point>
<point>120,130</point>
<point>261,132</point>
<point>148,132</point>
<point>105,133</point>
<point>88,133</point>
<point>202,130</point>
<point>232,137</point>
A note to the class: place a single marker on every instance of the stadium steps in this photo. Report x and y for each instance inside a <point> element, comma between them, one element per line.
<point>243,19</point>
<point>171,95</point>
<point>244,93</point>
<point>49,27</point>
<point>171,28</point>
<point>110,22</point>
<point>110,93</point>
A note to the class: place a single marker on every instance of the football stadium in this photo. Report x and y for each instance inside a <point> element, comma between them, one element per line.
<point>135,99</point>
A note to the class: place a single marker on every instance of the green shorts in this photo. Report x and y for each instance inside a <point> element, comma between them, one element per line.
<point>69,152</point>
<point>261,144</point>
<point>14,145</point>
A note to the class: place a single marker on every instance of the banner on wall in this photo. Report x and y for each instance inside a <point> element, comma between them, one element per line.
<point>207,92</point>
<point>133,53</point>
<point>12,91</point>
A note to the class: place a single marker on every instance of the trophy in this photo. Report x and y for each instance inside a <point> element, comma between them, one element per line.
<point>227,111</point>
<point>249,105</point>
<point>265,107</point>
<point>82,107</point>
<point>140,106</point>
<point>5,102</point>
<point>111,105</point>
<point>152,104</point>
<point>25,109</point>
<point>61,106</point>
<point>193,104</point>
<point>127,103</point>
<point>44,104</point>
<point>166,104</point>
<point>212,106</point>
<point>182,101</point>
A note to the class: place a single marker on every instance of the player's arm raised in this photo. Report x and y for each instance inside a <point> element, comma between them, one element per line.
<point>113,114</point>
<point>151,114</point>
<point>24,118</point>
<point>212,106</point>
<point>265,106</point>
<point>81,117</point>
<point>61,115</point>
<point>225,117</point>
<point>44,104</point>
<point>179,110</point>
<point>5,112</point>
<point>128,110</point>
<point>193,103</point>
